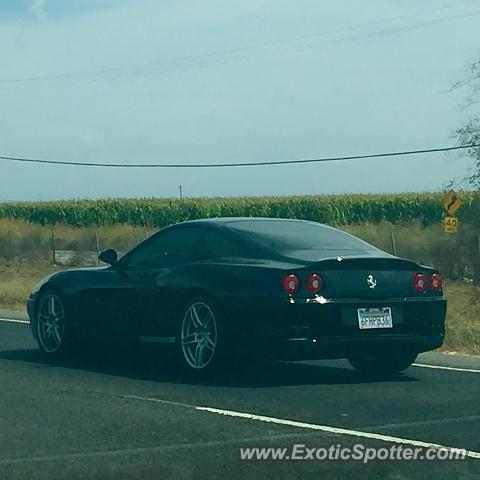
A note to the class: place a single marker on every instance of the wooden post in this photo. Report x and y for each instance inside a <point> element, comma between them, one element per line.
<point>476,274</point>
<point>97,244</point>
<point>53,245</point>
<point>12,248</point>
<point>476,264</point>
<point>394,244</point>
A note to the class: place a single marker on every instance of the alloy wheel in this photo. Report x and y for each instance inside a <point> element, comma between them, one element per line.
<point>198,335</point>
<point>51,323</point>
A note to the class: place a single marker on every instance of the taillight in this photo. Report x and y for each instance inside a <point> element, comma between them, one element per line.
<point>290,284</point>
<point>314,283</point>
<point>436,282</point>
<point>420,282</point>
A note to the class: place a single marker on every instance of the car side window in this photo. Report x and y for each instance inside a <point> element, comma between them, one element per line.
<point>164,249</point>
<point>216,244</point>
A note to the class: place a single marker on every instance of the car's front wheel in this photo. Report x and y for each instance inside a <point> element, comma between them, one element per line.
<point>54,333</point>
<point>199,340</point>
<point>382,364</point>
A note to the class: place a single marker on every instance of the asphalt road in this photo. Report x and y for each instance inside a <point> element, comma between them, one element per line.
<point>119,415</point>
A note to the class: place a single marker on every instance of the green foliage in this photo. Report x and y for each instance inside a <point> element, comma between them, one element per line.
<point>332,209</point>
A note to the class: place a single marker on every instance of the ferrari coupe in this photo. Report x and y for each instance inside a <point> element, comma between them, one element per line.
<point>268,288</point>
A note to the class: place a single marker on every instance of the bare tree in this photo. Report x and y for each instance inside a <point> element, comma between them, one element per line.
<point>469,134</point>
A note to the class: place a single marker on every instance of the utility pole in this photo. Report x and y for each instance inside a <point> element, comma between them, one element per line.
<point>180,190</point>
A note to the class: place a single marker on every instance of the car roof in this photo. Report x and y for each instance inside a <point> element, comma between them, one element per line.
<point>227,220</point>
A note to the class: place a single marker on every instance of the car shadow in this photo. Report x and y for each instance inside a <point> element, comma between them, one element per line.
<point>152,365</point>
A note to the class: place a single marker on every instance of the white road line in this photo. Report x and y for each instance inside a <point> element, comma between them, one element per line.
<point>310,426</point>
<point>441,367</point>
<point>13,320</point>
<point>420,423</point>
<point>148,450</point>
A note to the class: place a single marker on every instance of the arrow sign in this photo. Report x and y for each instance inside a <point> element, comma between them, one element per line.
<point>452,202</point>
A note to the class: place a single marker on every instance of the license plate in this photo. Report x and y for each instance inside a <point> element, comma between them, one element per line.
<point>374,318</point>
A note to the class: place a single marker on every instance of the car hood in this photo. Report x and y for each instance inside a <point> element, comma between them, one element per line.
<point>60,274</point>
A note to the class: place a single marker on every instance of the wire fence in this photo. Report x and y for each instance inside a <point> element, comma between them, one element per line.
<point>67,246</point>
<point>456,256</point>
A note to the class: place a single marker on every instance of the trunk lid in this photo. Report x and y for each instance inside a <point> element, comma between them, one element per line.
<point>368,277</point>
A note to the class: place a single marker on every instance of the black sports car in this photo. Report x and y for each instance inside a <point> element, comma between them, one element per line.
<point>273,288</point>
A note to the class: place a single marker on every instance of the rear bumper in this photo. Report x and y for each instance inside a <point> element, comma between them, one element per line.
<point>343,347</point>
<point>328,328</point>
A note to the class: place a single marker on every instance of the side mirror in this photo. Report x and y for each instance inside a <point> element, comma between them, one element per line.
<point>109,256</point>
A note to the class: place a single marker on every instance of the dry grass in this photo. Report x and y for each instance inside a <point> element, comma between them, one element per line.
<point>463,318</point>
<point>17,280</point>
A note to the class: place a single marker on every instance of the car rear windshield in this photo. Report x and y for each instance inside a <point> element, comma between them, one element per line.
<point>288,236</point>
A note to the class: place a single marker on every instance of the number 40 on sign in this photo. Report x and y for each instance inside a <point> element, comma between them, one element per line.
<point>451,224</point>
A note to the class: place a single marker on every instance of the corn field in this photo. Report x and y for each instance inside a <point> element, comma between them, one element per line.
<point>425,208</point>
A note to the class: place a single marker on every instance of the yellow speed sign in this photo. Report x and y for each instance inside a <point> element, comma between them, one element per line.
<point>452,201</point>
<point>451,224</point>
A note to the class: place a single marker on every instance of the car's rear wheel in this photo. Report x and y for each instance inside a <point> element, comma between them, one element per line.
<point>382,363</point>
<point>199,338</point>
<point>54,333</point>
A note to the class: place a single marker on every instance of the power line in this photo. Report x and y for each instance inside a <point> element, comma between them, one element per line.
<point>239,164</point>
<point>220,56</point>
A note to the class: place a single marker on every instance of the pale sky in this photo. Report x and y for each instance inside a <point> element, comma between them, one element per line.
<point>168,81</point>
